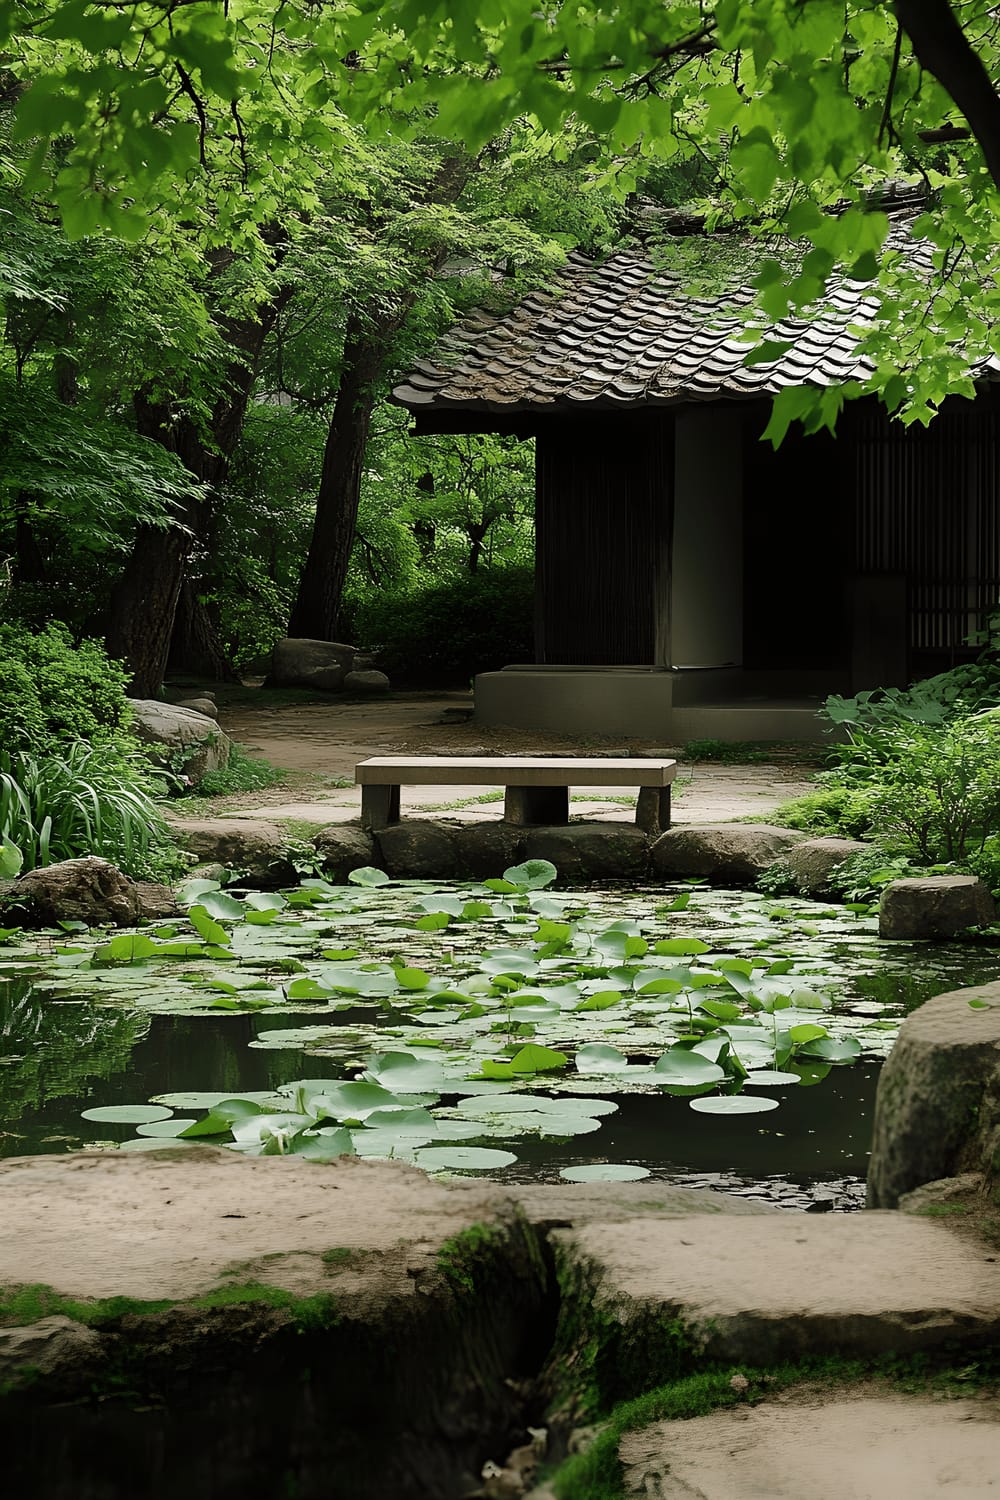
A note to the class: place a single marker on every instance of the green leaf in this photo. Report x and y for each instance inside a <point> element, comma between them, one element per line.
<point>207,927</point>
<point>533,875</point>
<point>222,1116</point>
<point>412,979</point>
<point>597,1057</point>
<point>11,859</point>
<point>463,1159</point>
<point>680,946</point>
<point>604,1171</point>
<point>225,908</point>
<point>734,1104</point>
<point>369,876</point>
<point>534,1059</point>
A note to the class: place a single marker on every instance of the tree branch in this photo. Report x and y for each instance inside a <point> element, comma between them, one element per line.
<point>941,46</point>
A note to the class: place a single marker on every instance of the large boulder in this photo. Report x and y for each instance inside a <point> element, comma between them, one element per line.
<point>937,1110</point>
<point>246,846</point>
<point>294,660</point>
<point>344,847</point>
<point>487,848</point>
<point>206,706</point>
<point>725,853</point>
<point>367,682</point>
<point>591,851</point>
<point>812,862</point>
<point>934,906</point>
<point>325,679</point>
<point>418,849</point>
<point>182,738</point>
<point>89,890</point>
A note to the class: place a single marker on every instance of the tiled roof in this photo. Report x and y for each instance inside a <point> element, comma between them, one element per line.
<point>625,333</point>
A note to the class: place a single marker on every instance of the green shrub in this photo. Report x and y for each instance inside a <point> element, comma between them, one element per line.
<point>52,691</point>
<point>239,774</point>
<point>88,799</point>
<point>836,809</point>
<point>938,799</point>
<point>442,635</point>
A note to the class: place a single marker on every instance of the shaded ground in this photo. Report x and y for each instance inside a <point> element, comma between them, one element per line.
<point>321,742</point>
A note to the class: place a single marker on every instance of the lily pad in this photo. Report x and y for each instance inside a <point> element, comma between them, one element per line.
<point>605,1171</point>
<point>126,1114</point>
<point>164,1128</point>
<point>734,1104</point>
<point>463,1159</point>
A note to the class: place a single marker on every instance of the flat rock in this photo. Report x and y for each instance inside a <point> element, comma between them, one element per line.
<point>418,849</point>
<point>90,890</point>
<point>813,861</point>
<point>486,849</point>
<point>821,1445</point>
<point>366,681</point>
<point>937,1109</point>
<point>254,848</point>
<point>294,658</point>
<point>344,847</point>
<point>588,851</point>
<point>934,906</point>
<point>771,1287</point>
<point>204,706</point>
<point>152,1225</point>
<point>727,853</point>
<point>181,732</point>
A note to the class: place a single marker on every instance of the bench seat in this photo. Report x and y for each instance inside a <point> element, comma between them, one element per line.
<point>536,786</point>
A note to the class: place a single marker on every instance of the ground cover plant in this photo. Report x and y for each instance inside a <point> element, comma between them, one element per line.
<point>460,1020</point>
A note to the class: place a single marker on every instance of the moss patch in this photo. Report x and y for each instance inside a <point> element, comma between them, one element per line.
<point>23,1305</point>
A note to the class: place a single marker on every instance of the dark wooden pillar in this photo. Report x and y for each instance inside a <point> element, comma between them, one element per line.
<point>604,522</point>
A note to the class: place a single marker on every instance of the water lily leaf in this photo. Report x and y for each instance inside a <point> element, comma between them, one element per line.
<point>502,887</point>
<point>435,921</point>
<point>601,1000</point>
<point>502,961</point>
<point>263,901</point>
<point>734,1104</point>
<point>604,1171</point>
<point>832,1050</point>
<point>191,890</point>
<point>473,911</point>
<point>533,875</point>
<point>207,1100</point>
<point>308,989</point>
<point>769,1078</point>
<point>128,948</point>
<point>722,1010</point>
<point>535,1059</point>
<point>343,1101</point>
<point>223,1116</point>
<point>275,1130</point>
<point>680,1068</point>
<point>222,906</point>
<point>680,946</point>
<point>597,1057</point>
<point>165,1128</point>
<point>367,875</point>
<point>207,927</point>
<point>404,1073</point>
<point>324,1145</point>
<point>126,1114</point>
<point>463,1159</point>
<point>402,1121</point>
<point>144,1143</point>
<point>412,979</point>
<point>801,1035</point>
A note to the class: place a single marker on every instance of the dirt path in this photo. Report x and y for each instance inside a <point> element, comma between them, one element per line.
<point>324,741</point>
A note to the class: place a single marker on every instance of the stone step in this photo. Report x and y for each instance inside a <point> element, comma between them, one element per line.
<point>811,1444</point>
<point>774,1287</point>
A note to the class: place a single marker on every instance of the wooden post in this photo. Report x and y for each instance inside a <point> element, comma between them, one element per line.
<point>652,809</point>
<point>379,806</point>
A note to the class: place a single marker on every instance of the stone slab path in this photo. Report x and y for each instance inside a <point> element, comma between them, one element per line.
<point>330,738</point>
<point>783,1286</point>
<point>822,1447</point>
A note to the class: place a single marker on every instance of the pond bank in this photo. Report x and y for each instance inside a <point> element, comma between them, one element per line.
<point>391,1333</point>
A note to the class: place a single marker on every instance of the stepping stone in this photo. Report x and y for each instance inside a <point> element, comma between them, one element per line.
<point>773,1287</point>
<point>821,1445</point>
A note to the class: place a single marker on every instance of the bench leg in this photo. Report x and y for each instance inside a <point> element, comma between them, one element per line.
<point>379,806</point>
<point>652,809</point>
<point>530,806</point>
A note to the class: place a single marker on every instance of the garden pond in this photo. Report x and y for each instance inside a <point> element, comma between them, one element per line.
<point>706,1037</point>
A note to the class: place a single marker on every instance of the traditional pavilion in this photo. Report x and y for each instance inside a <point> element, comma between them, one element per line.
<point>690,581</point>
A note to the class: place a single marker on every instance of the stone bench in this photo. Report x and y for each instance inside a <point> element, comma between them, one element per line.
<point>536,787</point>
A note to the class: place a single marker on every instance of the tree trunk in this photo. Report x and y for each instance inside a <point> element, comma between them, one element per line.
<point>317,607</point>
<point>366,346</point>
<point>195,645</point>
<point>145,599</point>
